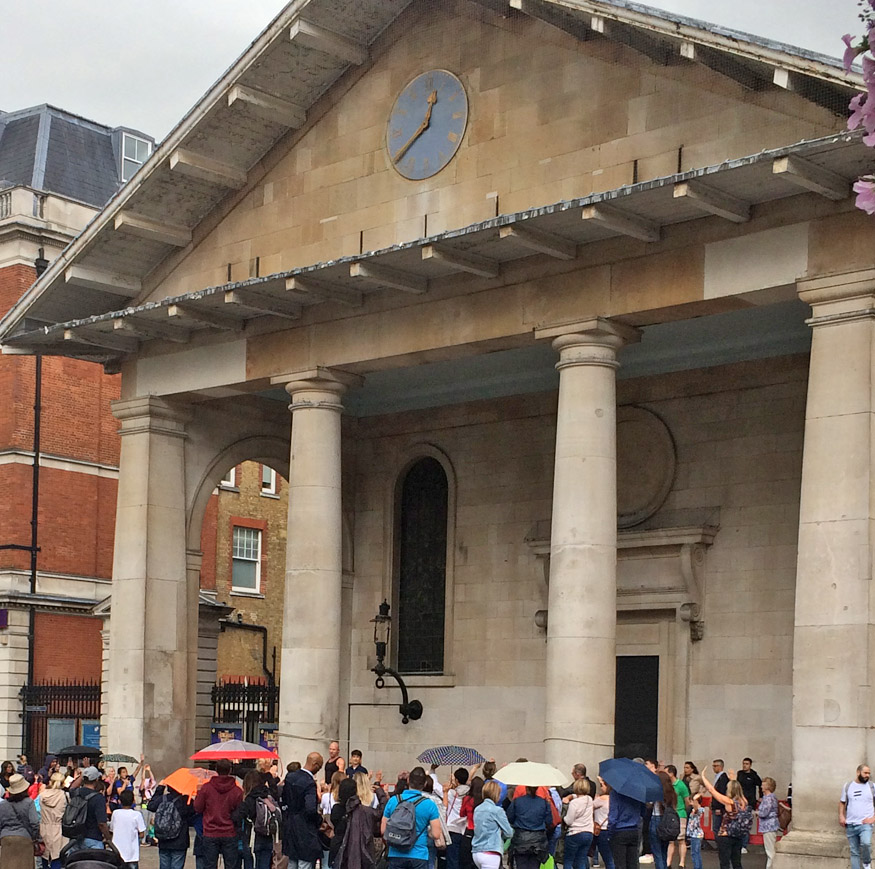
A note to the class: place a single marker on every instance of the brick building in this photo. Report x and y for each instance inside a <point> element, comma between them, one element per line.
<point>56,171</point>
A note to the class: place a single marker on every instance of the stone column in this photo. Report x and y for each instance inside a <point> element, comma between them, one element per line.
<point>310,657</point>
<point>582,621</point>
<point>150,695</point>
<point>833,667</point>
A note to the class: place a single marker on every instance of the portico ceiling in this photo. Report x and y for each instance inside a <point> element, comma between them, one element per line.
<point>760,332</point>
<point>82,306</point>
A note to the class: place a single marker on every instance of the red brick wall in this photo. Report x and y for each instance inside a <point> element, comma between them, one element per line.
<point>77,511</point>
<point>14,280</point>
<point>208,544</point>
<point>67,647</point>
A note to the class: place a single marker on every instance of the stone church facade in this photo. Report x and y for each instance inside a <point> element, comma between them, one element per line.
<point>558,320</point>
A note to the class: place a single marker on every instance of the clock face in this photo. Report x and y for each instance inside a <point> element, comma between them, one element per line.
<point>426,125</point>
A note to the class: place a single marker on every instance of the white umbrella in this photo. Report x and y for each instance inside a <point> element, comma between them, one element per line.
<point>532,775</point>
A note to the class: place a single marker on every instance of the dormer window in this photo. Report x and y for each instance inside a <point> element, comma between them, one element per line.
<point>135,152</point>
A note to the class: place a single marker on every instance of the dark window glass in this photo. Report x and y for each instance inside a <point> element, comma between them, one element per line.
<point>422,541</point>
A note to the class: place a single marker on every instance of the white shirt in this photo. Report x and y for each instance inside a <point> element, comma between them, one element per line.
<point>438,787</point>
<point>858,801</point>
<point>126,826</point>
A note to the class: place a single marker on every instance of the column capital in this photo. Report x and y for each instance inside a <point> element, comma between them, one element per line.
<point>839,298</point>
<point>150,414</point>
<point>317,387</point>
<point>594,341</point>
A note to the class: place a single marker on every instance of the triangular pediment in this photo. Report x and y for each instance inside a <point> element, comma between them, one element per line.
<point>285,163</point>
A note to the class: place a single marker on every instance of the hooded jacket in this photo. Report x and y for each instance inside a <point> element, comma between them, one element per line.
<point>455,822</point>
<point>216,801</point>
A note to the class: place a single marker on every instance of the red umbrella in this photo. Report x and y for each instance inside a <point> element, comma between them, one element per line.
<point>233,749</point>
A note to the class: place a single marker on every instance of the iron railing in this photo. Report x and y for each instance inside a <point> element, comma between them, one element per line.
<point>62,699</point>
<point>246,706</point>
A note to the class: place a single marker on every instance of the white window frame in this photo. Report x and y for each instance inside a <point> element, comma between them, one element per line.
<point>259,540</point>
<point>268,487</point>
<point>135,163</point>
<point>229,481</point>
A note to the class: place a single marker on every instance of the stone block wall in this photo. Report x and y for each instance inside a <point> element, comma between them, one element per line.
<point>738,438</point>
<point>551,118</point>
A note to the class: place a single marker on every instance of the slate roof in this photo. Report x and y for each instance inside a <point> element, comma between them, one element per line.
<point>54,151</point>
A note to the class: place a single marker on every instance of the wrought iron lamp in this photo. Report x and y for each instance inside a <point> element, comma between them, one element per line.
<point>411,710</point>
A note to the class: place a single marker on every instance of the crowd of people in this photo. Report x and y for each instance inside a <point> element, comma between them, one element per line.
<point>336,813</point>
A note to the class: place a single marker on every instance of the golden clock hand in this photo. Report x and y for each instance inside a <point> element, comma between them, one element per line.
<point>432,99</point>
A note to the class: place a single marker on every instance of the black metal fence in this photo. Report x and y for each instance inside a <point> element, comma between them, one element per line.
<point>63,701</point>
<point>246,706</point>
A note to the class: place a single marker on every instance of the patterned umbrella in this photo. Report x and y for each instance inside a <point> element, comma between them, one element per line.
<point>451,755</point>
<point>233,749</point>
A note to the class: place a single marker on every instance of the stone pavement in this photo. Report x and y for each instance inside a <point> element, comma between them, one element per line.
<point>756,859</point>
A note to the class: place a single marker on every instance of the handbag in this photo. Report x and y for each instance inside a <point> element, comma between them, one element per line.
<point>739,824</point>
<point>278,860</point>
<point>39,848</point>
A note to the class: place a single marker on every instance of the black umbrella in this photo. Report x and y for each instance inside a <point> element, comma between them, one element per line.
<point>77,751</point>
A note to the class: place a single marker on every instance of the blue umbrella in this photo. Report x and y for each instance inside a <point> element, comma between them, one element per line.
<point>631,779</point>
<point>451,755</point>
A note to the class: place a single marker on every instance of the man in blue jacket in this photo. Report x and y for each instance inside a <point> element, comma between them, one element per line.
<point>624,822</point>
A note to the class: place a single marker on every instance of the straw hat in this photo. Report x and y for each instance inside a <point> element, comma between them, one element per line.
<point>17,784</point>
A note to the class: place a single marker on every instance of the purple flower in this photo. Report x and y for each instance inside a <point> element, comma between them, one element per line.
<point>865,190</point>
<point>851,52</point>
<point>856,105</point>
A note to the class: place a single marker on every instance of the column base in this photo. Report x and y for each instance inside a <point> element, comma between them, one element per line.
<point>802,850</point>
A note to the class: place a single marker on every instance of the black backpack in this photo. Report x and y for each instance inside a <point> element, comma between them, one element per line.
<point>75,820</point>
<point>401,832</point>
<point>168,819</point>
<point>669,827</point>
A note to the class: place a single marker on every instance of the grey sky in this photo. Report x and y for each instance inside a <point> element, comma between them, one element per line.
<point>144,64</point>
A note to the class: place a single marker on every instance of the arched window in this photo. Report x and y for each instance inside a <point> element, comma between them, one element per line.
<point>421,557</point>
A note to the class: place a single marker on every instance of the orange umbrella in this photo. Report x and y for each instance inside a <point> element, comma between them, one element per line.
<point>186,781</point>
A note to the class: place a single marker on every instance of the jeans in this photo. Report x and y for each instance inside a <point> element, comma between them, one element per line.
<point>729,851</point>
<point>860,842</point>
<point>171,859</point>
<point>603,846</point>
<point>301,864</point>
<point>624,847</point>
<point>453,847</point>
<point>227,846</point>
<point>263,857</point>
<point>577,850</point>
<point>85,843</point>
<point>246,859</point>
<point>657,846</point>
<point>134,865</point>
<point>696,852</point>
<point>406,863</point>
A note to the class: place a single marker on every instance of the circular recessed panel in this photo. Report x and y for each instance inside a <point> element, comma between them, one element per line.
<point>426,124</point>
<point>646,464</point>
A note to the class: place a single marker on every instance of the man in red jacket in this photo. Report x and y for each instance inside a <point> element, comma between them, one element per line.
<point>216,800</point>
